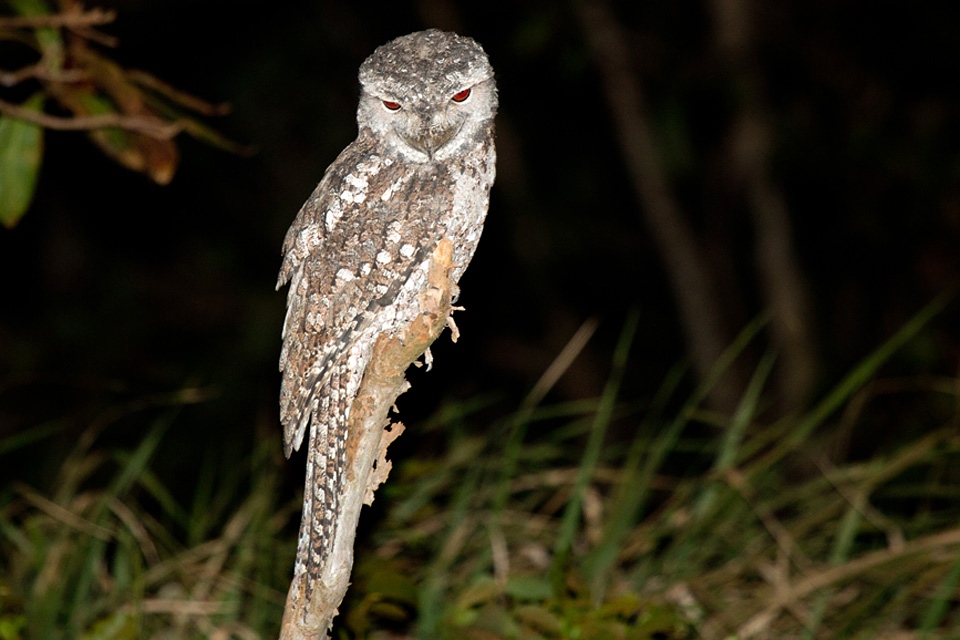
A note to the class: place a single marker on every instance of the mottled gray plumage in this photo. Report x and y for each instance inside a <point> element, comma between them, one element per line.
<point>356,255</point>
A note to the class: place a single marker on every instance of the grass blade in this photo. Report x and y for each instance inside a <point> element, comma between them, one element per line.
<point>852,382</point>
<point>588,463</point>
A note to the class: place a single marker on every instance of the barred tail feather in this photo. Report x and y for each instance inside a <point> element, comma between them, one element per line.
<point>323,487</point>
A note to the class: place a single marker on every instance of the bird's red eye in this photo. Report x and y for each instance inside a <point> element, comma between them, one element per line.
<point>393,106</point>
<point>461,95</point>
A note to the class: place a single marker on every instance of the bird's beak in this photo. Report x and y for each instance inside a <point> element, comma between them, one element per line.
<point>432,140</point>
<point>433,133</point>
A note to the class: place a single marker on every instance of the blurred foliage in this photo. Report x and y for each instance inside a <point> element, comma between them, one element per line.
<point>130,115</point>
<point>103,556</point>
<point>683,533</point>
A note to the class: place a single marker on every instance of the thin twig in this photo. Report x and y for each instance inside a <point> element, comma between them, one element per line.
<point>562,362</point>
<point>814,581</point>
<point>62,514</point>
<point>184,607</point>
<point>40,71</point>
<point>95,36</point>
<point>148,126</point>
<point>178,96</point>
<point>70,19</point>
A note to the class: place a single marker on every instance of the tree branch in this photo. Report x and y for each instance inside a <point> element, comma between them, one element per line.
<point>177,96</point>
<point>367,467</point>
<point>41,71</point>
<point>151,127</point>
<point>781,278</point>
<point>697,303</point>
<point>68,19</point>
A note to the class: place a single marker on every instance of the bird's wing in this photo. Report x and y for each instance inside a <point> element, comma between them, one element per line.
<point>336,262</point>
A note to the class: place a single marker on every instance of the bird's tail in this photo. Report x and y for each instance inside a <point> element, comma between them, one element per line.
<point>323,487</point>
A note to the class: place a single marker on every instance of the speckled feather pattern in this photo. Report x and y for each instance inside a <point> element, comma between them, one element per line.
<point>356,256</point>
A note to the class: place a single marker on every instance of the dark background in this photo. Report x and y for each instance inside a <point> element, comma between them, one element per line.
<point>115,289</point>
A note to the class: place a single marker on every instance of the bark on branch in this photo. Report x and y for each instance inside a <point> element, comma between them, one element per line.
<point>367,441</point>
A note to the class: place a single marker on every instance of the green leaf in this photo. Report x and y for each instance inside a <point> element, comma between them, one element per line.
<point>30,7</point>
<point>21,151</point>
<point>12,625</point>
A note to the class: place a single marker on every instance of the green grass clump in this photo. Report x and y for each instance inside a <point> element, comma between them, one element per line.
<point>598,519</point>
<point>701,526</point>
<point>92,561</point>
